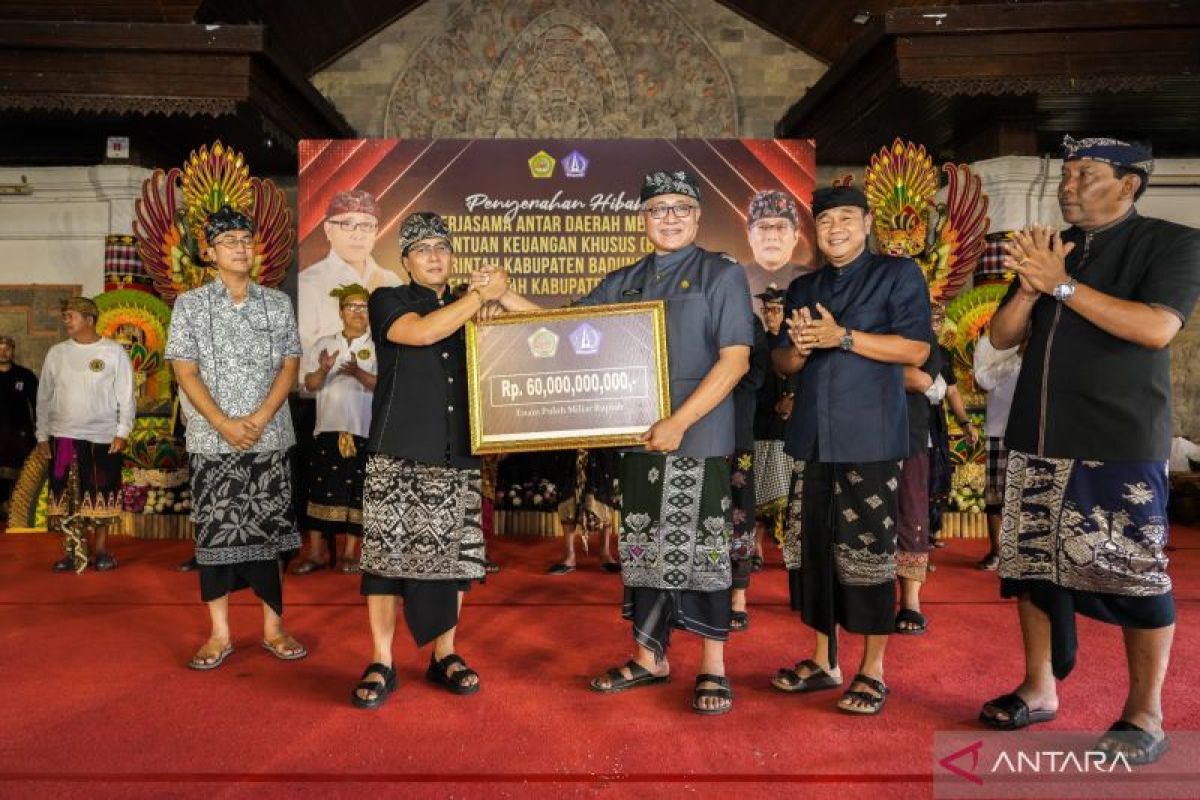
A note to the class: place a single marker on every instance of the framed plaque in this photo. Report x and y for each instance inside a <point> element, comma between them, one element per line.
<point>559,379</point>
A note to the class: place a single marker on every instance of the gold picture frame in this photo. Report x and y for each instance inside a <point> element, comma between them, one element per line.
<point>537,362</point>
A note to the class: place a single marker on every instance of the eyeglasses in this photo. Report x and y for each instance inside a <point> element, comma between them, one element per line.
<point>355,306</point>
<point>425,250</point>
<point>781,228</point>
<point>232,242</point>
<point>680,210</point>
<point>349,225</point>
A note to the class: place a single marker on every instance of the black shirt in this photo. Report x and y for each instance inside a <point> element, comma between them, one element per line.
<point>18,409</point>
<point>1083,393</point>
<point>419,410</point>
<point>919,409</point>
<point>851,409</point>
<point>745,394</point>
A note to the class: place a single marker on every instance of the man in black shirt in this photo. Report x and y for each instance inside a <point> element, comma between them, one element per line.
<point>422,500</point>
<point>853,326</point>
<point>18,404</point>
<point>1085,518</point>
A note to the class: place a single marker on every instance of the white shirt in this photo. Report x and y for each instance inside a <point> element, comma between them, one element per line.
<point>343,404</point>
<point>996,373</point>
<point>86,392</point>
<point>319,313</point>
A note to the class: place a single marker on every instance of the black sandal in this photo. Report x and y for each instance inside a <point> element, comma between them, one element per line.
<point>381,688</point>
<point>915,619</point>
<point>722,691</point>
<point>873,703</point>
<point>561,569</point>
<point>439,673</point>
<point>790,682</point>
<point>739,621</point>
<point>638,676</point>
<point>1137,746</point>
<point>1020,715</point>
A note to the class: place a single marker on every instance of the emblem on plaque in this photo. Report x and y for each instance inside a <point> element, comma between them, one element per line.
<point>585,340</point>
<point>543,343</point>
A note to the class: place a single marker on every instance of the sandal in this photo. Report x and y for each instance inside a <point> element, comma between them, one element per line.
<point>561,569</point>
<point>911,623</point>
<point>349,566</point>
<point>381,688</point>
<point>756,563</point>
<point>611,566</point>
<point>1020,715</point>
<point>739,621</point>
<point>203,663</point>
<point>638,676</point>
<point>873,703</point>
<point>307,566</point>
<point>990,562</point>
<point>722,691</point>
<point>491,567</point>
<point>284,647</point>
<point>105,562</point>
<point>439,673</point>
<point>1137,746</point>
<point>789,680</point>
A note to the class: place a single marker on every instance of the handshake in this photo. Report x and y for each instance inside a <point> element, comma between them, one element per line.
<point>491,281</point>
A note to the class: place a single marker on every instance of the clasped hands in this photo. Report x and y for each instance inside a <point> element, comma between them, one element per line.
<point>808,333</point>
<point>1038,256</point>
<point>242,432</point>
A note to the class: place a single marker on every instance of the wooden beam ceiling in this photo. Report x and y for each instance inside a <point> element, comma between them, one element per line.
<point>978,81</point>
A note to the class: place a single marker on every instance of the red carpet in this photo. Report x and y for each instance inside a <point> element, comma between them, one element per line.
<point>97,702</point>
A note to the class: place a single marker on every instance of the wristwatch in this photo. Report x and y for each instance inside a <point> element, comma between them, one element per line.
<point>847,343</point>
<point>1064,291</point>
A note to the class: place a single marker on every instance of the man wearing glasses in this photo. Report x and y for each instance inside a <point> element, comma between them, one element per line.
<point>773,231</point>
<point>235,352</point>
<point>676,523</point>
<point>340,369</point>
<point>351,226</point>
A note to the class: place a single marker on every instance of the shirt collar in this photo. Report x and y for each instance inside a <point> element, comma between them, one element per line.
<point>842,273</point>
<point>671,259</point>
<point>219,290</point>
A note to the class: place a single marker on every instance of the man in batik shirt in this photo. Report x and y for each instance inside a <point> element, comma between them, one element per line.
<point>236,353</point>
<point>1089,434</point>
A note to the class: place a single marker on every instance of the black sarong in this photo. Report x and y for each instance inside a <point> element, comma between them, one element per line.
<point>430,607</point>
<point>335,483</point>
<point>655,612</point>
<point>840,547</point>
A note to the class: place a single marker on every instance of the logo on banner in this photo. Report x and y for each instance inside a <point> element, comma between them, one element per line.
<point>585,340</point>
<point>543,343</point>
<point>575,165</point>
<point>541,165</point>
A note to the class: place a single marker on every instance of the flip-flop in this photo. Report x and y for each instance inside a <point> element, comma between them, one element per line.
<point>1020,715</point>
<point>202,665</point>
<point>560,569</point>
<point>279,647</point>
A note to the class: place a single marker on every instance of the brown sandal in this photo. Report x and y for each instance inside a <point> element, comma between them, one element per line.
<point>284,647</point>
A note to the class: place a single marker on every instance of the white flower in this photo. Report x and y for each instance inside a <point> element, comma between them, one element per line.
<point>1138,493</point>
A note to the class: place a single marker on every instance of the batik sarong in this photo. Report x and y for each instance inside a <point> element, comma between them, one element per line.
<point>245,522</point>
<point>84,488</point>
<point>335,483</point>
<point>772,483</point>
<point>1087,537</point>
<point>741,547</point>
<point>421,521</point>
<point>840,546</point>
